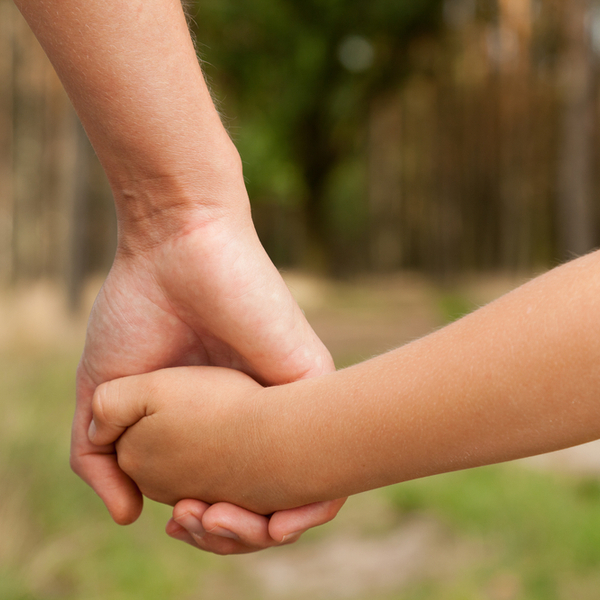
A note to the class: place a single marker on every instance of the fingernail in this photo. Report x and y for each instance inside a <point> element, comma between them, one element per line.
<point>291,537</point>
<point>222,532</point>
<point>191,524</point>
<point>92,431</point>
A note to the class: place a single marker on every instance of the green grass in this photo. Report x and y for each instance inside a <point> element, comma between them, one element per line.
<point>57,539</point>
<point>539,533</point>
<point>543,529</point>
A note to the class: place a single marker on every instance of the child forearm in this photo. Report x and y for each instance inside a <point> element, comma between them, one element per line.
<point>518,377</point>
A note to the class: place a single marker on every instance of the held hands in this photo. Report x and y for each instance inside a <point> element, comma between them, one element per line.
<point>205,294</point>
<point>192,432</point>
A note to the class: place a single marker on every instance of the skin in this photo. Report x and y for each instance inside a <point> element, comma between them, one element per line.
<point>515,378</point>
<point>190,283</point>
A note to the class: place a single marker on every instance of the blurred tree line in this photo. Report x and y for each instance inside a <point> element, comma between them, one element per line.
<point>439,135</point>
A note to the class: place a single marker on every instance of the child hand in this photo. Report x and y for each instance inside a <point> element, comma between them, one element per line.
<point>188,432</point>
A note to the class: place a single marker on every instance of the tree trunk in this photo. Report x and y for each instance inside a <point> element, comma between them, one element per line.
<point>385,183</point>
<point>7,17</point>
<point>29,230</point>
<point>575,223</point>
<point>77,180</point>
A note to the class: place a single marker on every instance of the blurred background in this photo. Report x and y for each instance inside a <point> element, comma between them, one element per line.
<point>407,161</point>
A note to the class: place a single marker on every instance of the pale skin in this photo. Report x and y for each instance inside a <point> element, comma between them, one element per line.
<point>191,283</point>
<point>518,377</point>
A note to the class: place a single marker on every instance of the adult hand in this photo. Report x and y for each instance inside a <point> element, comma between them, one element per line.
<point>225,529</point>
<point>206,294</point>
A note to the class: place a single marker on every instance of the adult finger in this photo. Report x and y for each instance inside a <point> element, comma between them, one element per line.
<point>286,525</point>
<point>97,465</point>
<point>228,520</point>
<point>119,493</point>
<point>189,525</point>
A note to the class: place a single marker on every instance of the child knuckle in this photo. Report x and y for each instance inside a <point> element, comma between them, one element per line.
<point>102,401</point>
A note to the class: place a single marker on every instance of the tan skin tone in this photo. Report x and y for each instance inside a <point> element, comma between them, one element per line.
<point>518,377</point>
<point>190,284</point>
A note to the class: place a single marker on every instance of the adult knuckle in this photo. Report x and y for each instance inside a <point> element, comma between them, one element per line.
<point>75,464</point>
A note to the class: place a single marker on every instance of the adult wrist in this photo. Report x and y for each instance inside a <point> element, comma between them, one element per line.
<point>153,209</point>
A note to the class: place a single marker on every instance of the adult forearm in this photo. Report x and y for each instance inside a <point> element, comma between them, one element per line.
<point>131,72</point>
<point>518,377</point>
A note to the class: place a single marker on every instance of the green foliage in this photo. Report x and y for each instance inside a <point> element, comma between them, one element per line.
<point>344,205</point>
<point>296,112</point>
<point>271,174</point>
<point>454,306</point>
